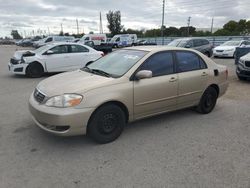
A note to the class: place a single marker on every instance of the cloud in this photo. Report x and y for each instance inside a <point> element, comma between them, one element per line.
<point>29,15</point>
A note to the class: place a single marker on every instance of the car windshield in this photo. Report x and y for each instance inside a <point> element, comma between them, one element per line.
<point>231,43</point>
<point>178,43</point>
<point>41,49</point>
<point>117,63</point>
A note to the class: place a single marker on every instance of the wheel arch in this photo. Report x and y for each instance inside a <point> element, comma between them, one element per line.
<point>114,102</point>
<point>38,63</point>
<point>216,87</point>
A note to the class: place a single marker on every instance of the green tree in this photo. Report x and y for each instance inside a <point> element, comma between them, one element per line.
<point>15,34</point>
<point>114,22</point>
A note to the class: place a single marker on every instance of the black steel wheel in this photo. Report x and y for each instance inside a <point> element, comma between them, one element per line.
<point>207,101</point>
<point>106,124</point>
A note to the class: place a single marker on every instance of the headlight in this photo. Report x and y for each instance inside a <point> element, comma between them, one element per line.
<point>64,101</point>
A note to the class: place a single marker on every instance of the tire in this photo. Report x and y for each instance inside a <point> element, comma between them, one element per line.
<point>241,77</point>
<point>207,54</point>
<point>34,70</point>
<point>207,101</point>
<point>106,124</point>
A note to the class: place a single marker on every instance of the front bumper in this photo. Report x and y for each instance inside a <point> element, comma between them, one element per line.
<point>60,121</point>
<point>223,54</point>
<point>18,68</point>
<point>242,71</point>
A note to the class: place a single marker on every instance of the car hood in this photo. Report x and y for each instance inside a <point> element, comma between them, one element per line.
<point>246,57</point>
<point>224,47</point>
<point>72,82</point>
<point>18,54</point>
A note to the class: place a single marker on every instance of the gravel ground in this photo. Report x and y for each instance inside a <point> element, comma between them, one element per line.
<point>179,149</point>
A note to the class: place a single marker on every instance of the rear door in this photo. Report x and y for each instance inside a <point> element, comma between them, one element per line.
<point>79,56</point>
<point>159,93</point>
<point>193,77</point>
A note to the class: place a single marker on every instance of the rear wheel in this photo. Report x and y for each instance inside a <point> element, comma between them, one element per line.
<point>106,124</point>
<point>34,70</point>
<point>207,54</point>
<point>207,101</point>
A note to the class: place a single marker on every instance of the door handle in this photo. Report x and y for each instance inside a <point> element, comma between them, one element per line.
<point>204,74</point>
<point>173,79</point>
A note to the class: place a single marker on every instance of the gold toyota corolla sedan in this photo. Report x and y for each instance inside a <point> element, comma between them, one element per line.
<point>124,86</point>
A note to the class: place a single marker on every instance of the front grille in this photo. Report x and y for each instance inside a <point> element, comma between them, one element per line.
<point>219,50</point>
<point>39,97</point>
<point>13,61</point>
<point>247,63</point>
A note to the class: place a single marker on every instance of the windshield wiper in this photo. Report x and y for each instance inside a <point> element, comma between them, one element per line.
<point>101,72</point>
<point>87,69</point>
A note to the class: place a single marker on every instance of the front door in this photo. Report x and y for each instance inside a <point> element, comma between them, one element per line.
<point>157,94</point>
<point>59,60</point>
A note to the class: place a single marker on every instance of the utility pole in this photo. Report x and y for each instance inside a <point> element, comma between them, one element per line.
<point>212,25</point>
<point>188,23</point>
<point>162,24</point>
<point>77,26</point>
<point>48,31</point>
<point>61,28</point>
<point>101,29</point>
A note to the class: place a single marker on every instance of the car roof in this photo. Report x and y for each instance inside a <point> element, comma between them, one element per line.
<point>156,48</point>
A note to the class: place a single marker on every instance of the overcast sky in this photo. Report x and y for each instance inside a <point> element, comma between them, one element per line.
<point>48,15</point>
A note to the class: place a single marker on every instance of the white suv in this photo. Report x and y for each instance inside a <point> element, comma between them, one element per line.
<point>58,57</point>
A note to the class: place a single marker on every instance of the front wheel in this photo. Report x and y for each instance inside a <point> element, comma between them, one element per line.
<point>106,124</point>
<point>241,77</point>
<point>34,70</point>
<point>207,101</point>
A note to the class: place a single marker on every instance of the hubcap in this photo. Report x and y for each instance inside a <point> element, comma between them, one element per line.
<point>108,123</point>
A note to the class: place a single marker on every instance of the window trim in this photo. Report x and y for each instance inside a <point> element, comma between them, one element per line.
<point>70,49</point>
<point>132,77</point>
<point>200,59</point>
<point>57,46</point>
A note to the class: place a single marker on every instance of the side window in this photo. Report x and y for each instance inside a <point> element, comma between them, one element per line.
<point>188,61</point>
<point>48,39</point>
<point>78,49</point>
<point>60,49</point>
<point>160,64</point>
<point>87,38</point>
<point>190,43</point>
<point>205,42</point>
<point>196,42</point>
<point>118,39</point>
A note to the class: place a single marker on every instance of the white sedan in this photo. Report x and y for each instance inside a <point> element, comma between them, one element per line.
<point>57,57</point>
<point>228,48</point>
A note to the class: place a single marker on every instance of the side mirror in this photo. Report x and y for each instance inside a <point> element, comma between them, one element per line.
<point>188,46</point>
<point>143,74</point>
<point>49,52</point>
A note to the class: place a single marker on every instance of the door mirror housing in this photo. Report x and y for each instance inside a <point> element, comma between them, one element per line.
<point>143,74</point>
<point>49,52</point>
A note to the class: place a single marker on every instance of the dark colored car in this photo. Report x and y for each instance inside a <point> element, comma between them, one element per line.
<point>144,43</point>
<point>199,44</point>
